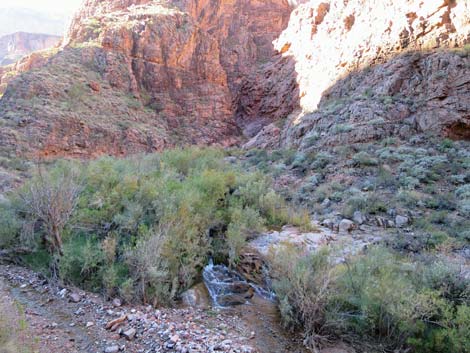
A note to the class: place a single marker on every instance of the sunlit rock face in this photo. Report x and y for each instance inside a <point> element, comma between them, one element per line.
<point>196,51</point>
<point>351,56</point>
<point>330,39</point>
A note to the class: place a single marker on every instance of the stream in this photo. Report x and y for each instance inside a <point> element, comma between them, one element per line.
<point>256,306</point>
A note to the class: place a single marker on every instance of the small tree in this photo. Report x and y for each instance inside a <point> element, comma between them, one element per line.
<point>51,200</point>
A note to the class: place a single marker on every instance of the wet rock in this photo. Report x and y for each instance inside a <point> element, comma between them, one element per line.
<point>231,299</point>
<point>196,297</point>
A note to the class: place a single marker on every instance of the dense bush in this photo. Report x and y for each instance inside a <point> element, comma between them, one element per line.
<point>379,297</point>
<point>145,226</point>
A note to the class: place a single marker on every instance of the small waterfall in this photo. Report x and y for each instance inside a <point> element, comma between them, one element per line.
<point>227,287</point>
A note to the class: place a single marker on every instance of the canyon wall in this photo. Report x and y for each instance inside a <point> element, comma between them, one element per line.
<point>173,70</point>
<point>400,64</point>
<point>143,75</point>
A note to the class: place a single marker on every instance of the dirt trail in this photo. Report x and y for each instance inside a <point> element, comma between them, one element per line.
<point>68,320</point>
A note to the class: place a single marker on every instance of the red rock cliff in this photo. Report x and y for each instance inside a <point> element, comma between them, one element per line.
<point>178,65</point>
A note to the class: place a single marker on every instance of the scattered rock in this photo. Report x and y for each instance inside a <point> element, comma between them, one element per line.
<point>95,86</point>
<point>74,297</point>
<point>358,217</point>
<point>114,324</point>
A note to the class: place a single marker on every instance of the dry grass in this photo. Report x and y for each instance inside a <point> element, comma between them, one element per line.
<point>14,335</point>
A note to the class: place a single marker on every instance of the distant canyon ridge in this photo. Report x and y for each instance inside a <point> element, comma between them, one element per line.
<point>17,45</point>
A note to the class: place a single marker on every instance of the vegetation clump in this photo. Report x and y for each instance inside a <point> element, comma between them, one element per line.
<point>141,227</point>
<point>378,297</point>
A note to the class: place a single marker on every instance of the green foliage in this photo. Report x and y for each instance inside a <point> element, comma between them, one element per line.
<point>364,159</point>
<point>82,262</point>
<point>378,296</point>
<point>145,226</point>
<point>10,226</point>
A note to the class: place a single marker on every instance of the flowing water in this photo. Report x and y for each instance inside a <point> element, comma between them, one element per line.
<point>256,306</point>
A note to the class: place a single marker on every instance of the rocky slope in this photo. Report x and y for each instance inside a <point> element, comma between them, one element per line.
<point>143,75</point>
<point>393,63</point>
<point>14,46</point>
<point>140,76</point>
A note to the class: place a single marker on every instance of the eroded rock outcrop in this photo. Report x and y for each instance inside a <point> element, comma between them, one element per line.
<point>395,64</point>
<point>168,73</point>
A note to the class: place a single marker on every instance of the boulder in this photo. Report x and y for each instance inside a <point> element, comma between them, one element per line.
<point>401,221</point>
<point>358,217</point>
<point>346,226</point>
<point>196,297</point>
<point>74,297</point>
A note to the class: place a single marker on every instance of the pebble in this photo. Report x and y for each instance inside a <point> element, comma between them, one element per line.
<point>130,334</point>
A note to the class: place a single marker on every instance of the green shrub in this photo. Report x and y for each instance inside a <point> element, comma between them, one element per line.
<point>144,227</point>
<point>243,222</point>
<point>303,286</point>
<point>375,297</point>
<point>10,226</point>
<point>322,159</point>
<point>364,159</point>
<point>82,262</point>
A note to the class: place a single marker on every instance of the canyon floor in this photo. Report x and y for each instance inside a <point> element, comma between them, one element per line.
<point>57,319</point>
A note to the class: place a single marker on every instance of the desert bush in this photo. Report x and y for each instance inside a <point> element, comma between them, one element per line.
<point>303,286</point>
<point>82,262</point>
<point>364,159</point>
<point>243,222</point>
<point>50,199</point>
<point>398,303</point>
<point>9,226</point>
<point>303,161</point>
<point>321,160</point>
<point>145,226</point>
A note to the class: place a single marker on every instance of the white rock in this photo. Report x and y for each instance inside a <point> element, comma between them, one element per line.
<point>401,221</point>
<point>111,349</point>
